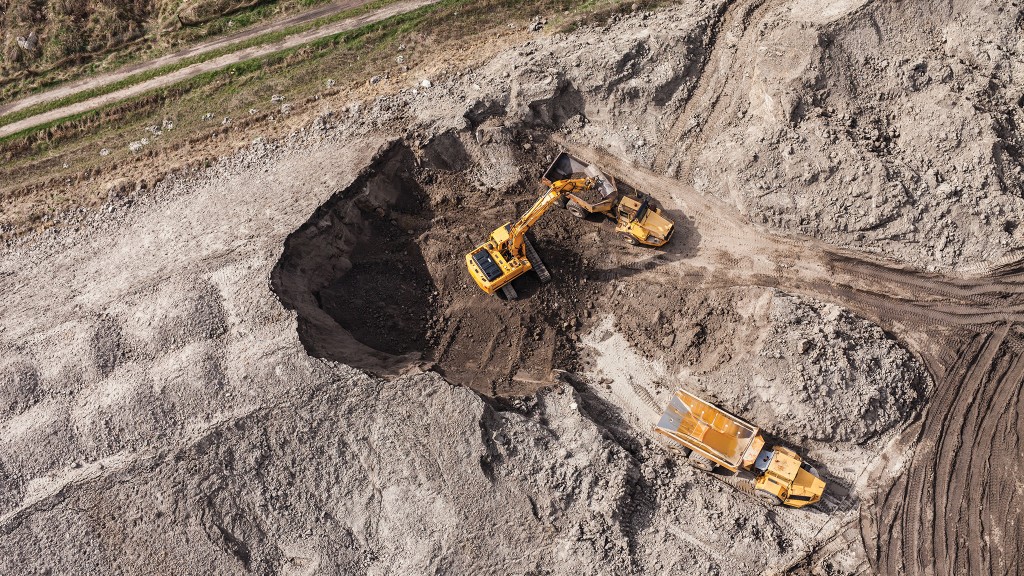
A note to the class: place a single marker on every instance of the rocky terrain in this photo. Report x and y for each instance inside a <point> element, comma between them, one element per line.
<point>175,393</point>
<point>277,364</point>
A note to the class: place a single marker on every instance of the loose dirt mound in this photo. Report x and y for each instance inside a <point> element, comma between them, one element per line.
<point>803,369</point>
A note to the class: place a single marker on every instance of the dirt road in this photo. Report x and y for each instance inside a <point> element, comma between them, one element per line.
<point>196,69</point>
<point>954,509</point>
<point>100,80</point>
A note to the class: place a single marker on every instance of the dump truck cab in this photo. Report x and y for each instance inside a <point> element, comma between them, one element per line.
<point>785,479</point>
<point>639,222</point>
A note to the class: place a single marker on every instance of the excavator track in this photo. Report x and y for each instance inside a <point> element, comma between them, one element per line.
<point>509,292</point>
<point>536,262</point>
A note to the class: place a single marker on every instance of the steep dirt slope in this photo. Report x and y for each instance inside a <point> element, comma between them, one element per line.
<point>891,127</point>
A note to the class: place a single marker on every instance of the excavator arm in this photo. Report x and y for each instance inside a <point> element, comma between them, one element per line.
<point>517,232</point>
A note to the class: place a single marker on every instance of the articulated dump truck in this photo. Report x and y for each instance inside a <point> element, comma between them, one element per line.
<point>637,218</point>
<point>712,437</point>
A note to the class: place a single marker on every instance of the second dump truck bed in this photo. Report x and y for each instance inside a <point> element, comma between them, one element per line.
<point>568,166</point>
<point>699,425</point>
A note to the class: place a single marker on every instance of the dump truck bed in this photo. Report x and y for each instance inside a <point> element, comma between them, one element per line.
<point>568,166</point>
<point>704,427</point>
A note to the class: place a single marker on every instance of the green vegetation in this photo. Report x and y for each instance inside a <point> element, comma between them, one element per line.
<point>82,38</point>
<point>268,38</point>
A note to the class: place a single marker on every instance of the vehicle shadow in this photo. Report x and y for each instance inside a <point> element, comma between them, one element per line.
<point>684,244</point>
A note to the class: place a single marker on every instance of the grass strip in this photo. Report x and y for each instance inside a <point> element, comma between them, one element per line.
<point>268,38</point>
<point>389,27</point>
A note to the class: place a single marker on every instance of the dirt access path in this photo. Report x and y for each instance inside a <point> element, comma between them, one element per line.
<point>199,68</point>
<point>953,506</point>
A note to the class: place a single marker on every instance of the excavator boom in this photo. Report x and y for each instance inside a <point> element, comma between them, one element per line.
<point>558,189</point>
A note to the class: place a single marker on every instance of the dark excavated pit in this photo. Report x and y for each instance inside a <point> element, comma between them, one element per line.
<point>383,300</point>
<point>378,281</point>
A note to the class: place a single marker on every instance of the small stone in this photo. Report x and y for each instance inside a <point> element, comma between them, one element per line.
<point>277,98</point>
<point>426,84</point>
<point>104,152</point>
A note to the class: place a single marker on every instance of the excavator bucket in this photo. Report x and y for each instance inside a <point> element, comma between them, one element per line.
<point>568,166</point>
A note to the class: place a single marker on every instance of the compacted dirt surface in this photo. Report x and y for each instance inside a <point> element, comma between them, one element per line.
<point>279,364</point>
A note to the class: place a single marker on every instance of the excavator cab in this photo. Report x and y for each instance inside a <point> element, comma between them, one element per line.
<point>508,254</point>
<point>493,266</point>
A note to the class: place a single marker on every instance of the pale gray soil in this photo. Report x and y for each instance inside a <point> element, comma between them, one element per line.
<point>279,365</point>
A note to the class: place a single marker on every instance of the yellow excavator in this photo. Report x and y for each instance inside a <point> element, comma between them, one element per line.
<point>581,188</point>
<point>637,219</point>
<point>711,437</point>
<point>508,254</point>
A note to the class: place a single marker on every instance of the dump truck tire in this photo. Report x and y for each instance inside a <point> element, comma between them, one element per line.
<point>701,462</point>
<point>576,210</point>
<point>768,498</point>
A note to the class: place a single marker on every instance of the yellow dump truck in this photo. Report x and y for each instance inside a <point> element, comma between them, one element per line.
<point>714,437</point>
<point>637,218</point>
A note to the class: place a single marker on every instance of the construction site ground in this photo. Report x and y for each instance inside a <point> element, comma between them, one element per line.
<point>278,363</point>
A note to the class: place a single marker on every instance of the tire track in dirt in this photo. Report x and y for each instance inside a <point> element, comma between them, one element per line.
<point>955,509</point>
<point>715,82</point>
